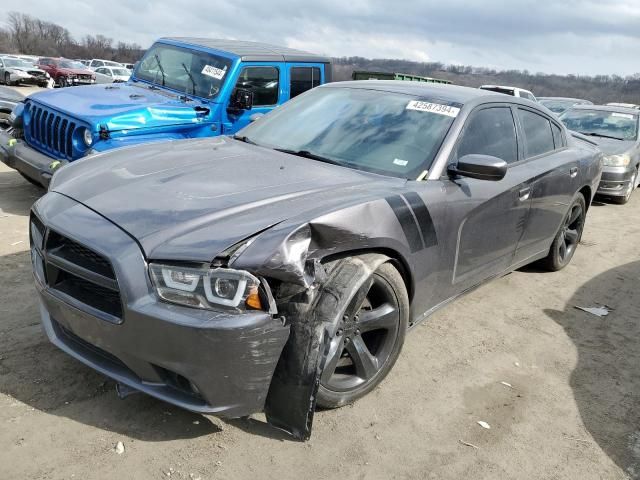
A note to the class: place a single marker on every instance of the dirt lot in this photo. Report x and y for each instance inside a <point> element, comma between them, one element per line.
<point>573,410</point>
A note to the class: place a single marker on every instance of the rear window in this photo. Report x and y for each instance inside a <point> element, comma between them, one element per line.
<point>537,133</point>
<point>303,79</point>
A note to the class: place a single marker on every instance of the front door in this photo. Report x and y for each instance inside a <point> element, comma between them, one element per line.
<point>491,215</point>
<point>265,81</point>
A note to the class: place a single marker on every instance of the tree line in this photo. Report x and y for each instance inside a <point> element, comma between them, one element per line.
<point>26,34</point>
<point>31,36</point>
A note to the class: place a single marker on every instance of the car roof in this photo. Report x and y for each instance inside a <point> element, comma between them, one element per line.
<point>253,51</point>
<point>451,93</point>
<point>607,108</point>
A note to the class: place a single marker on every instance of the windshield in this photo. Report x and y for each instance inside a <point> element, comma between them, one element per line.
<point>198,73</point>
<point>558,106</point>
<point>623,126</point>
<point>16,62</point>
<point>72,64</point>
<point>121,71</point>
<point>388,133</point>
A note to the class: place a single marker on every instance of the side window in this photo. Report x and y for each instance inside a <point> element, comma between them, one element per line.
<point>558,137</point>
<point>537,133</point>
<point>264,82</point>
<point>100,70</point>
<point>490,131</point>
<point>303,79</point>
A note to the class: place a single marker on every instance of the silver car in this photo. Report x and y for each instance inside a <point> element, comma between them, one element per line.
<point>14,71</point>
<point>615,129</point>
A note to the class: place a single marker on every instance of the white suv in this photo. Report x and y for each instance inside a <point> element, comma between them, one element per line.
<point>513,91</point>
<point>97,62</point>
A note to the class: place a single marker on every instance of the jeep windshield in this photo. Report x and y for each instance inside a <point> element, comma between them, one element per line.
<point>381,132</point>
<point>188,71</point>
<point>601,123</point>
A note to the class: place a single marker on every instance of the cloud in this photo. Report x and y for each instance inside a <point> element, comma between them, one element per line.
<point>572,36</point>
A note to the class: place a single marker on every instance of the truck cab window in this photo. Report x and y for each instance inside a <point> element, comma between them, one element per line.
<point>303,79</point>
<point>264,82</point>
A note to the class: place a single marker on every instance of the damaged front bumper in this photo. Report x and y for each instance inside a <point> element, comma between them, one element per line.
<point>615,181</point>
<point>15,153</point>
<point>204,361</point>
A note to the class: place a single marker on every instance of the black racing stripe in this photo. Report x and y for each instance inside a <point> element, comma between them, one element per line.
<point>423,216</point>
<point>407,222</point>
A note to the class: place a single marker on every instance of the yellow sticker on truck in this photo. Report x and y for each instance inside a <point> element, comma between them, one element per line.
<point>447,110</point>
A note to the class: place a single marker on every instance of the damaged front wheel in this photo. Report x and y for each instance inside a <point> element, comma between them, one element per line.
<point>368,339</point>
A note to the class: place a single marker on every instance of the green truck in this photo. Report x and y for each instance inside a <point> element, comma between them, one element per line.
<point>364,75</point>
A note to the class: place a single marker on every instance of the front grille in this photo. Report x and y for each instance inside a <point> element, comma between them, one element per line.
<point>77,272</point>
<point>50,131</point>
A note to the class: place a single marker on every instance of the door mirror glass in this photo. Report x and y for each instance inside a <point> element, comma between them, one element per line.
<point>483,167</point>
<point>241,99</point>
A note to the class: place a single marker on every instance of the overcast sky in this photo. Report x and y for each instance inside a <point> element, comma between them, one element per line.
<point>557,36</point>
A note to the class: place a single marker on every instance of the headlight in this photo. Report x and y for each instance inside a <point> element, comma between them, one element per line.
<point>87,137</point>
<point>205,287</point>
<point>617,160</point>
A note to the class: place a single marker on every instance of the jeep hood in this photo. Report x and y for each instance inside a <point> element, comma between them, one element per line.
<point>120,106</point>
<point>192,199</point>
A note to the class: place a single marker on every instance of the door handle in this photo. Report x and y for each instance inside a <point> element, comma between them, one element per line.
<point>573,171</point>
<point>524,194</point>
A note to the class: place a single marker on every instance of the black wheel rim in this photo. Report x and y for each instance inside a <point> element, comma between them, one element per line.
<point>364,339</point>
<point>570,233</point>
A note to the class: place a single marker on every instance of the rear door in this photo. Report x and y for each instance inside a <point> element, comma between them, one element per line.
<point>265,82</point>
<point>554,170</point>
<point>496,212</point>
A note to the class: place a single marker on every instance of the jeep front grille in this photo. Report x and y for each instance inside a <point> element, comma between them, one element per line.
<point>50,132</point>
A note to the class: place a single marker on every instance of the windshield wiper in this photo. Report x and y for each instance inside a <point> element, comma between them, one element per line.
<point>160,68</point>
<point>593,134</point>
<point>245,139</point>
<point>308,154</point>
<point>193,82</point>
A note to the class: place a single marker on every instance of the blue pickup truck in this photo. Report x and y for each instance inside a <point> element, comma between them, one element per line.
<point>182,88</point>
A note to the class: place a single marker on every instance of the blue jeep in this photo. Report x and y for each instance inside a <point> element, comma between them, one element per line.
<point>182,88</point>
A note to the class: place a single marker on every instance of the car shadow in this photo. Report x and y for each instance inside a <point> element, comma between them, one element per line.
<point>44,378</point>
<point>606,379</point>
<point>17,194</point>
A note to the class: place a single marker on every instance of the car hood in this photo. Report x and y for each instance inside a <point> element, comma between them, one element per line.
<point>121,106</point>
<point>609,146</point>
<point>27,69</point>
<point>192,199</point>
<point>75,71</point>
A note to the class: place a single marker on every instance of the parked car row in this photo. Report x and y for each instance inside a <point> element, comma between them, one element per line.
<point>269,237</point>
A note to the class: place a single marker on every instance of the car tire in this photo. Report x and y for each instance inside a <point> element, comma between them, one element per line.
<point>7,79</point>
<point>568,237</point>
<point>365,347</point>
<point>62,82</point>
<point>632,186</point>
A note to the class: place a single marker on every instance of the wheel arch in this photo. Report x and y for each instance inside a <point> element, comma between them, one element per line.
<point>586,193</point>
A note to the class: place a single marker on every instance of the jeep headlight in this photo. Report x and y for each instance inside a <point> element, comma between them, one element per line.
<point>207,288</point>
<point>617,160</point>
<point>87,136</point>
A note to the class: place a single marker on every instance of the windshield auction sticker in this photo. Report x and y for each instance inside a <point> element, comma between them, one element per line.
<point>214,72</point>
<point>433,108</point>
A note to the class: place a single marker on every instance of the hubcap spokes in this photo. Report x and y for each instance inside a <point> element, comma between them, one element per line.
<point>364,338</point>
<point>570,233</point>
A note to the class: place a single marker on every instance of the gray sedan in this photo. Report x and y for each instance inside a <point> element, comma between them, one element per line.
<point>281,268</point>
<point>615,129</point>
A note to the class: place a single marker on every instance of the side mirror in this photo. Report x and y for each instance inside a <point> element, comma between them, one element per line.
<point>482,167</point>
<point>241,99</point>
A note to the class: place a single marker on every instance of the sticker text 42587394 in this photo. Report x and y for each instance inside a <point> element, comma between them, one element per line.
<point>447,110</point>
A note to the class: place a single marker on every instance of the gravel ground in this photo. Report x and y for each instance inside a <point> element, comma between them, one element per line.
<point>572,410</point>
